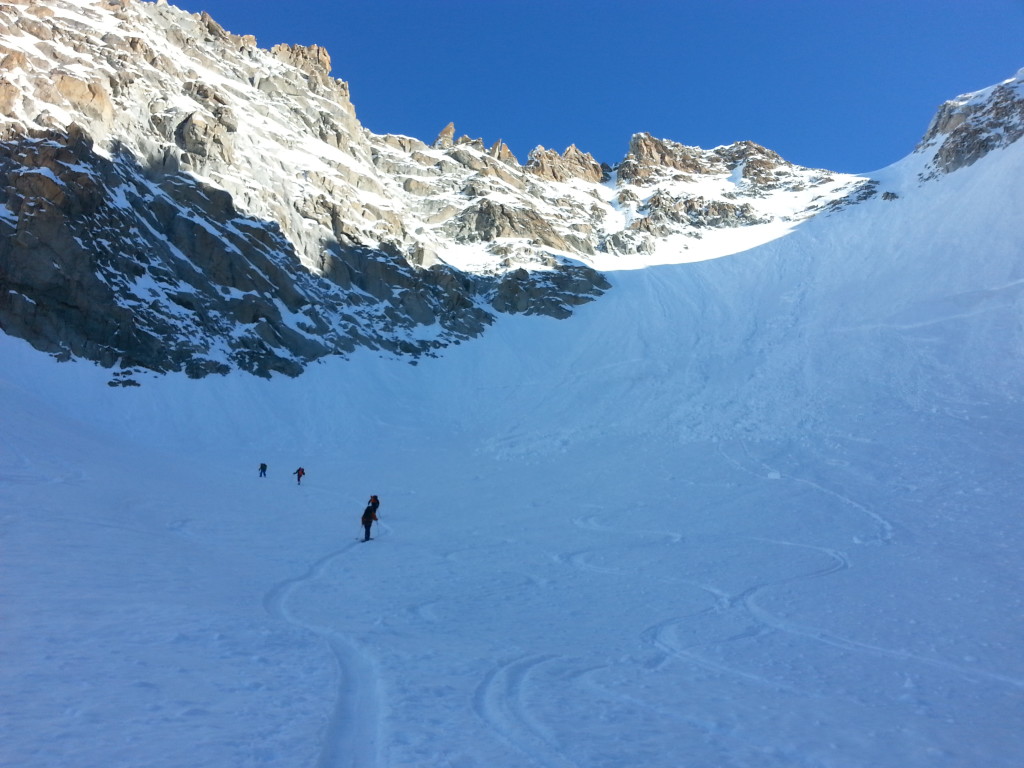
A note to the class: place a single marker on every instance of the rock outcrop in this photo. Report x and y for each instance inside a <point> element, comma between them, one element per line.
<point>651,160</point>
<point>571,164</point>
<point>967,128</point>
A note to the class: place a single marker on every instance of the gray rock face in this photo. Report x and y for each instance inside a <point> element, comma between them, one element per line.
<point>969,127</point>
<point>552,294</point>
<point>488,221</point>
<point>179,280</point>
<point>666,213</point>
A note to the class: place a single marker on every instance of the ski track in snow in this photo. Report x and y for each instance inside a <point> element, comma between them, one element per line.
<point>352,736</point>
<point>664,634</point>
<point>773,621</point>
<point>996,291</point>
<point>886,530</point>
<point>885,536</point>
<point>706,727</point>
<point>499,703</point>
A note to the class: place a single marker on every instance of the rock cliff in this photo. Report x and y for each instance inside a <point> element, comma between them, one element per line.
<point>967,128</point>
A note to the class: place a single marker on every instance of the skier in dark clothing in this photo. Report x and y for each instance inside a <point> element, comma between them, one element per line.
<point>298,475</point>
<point>263,470</point>
<point>369,516</point>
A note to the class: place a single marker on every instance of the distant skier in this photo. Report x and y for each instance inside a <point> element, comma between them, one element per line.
<point>369,516</point>
<point>263,470</point>
<point>298,475</point>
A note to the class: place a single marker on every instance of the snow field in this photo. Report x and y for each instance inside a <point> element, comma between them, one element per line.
<point>756,512</point>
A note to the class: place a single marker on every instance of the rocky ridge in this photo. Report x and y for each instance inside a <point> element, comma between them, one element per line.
<point>967,128</point>
<point>175,198</point>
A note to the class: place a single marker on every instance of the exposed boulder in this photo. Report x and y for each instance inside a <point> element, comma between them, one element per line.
<point>88,97</point>
<point>629,241</point>
<point>198,136</point>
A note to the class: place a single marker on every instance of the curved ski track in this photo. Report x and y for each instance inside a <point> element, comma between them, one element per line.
<point>760,621</point>
<point>351,738</point>
<point>499,703</point>
<point>885,529</point>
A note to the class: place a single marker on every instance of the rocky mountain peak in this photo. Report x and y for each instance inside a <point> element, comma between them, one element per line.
<point>650,159</point>
<point>967,128</point>
<point>176,198</point>
<point>446,138</point>
<point>499,151</point>
<point>571,164</point>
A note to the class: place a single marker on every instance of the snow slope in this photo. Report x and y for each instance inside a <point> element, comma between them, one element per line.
<point>754,512</point>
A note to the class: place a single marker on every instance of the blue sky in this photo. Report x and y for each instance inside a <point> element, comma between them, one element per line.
<point>848,86</point>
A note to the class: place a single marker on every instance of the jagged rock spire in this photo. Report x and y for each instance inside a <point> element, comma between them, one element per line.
<point>446,138</point>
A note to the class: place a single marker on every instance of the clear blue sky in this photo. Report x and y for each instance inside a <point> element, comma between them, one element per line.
<point>844,85</point>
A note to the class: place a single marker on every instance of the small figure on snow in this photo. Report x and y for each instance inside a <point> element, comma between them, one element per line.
<point>263,469</point>
<point>369,515</point>
<point>298,475</point>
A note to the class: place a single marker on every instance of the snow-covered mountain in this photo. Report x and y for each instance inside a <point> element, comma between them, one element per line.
<point>176,198</point>
<point>760,511</point>
<point>755,511</point>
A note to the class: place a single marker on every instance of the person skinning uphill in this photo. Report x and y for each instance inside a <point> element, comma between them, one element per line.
<point>369,515</point>
<point>298,475</point>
